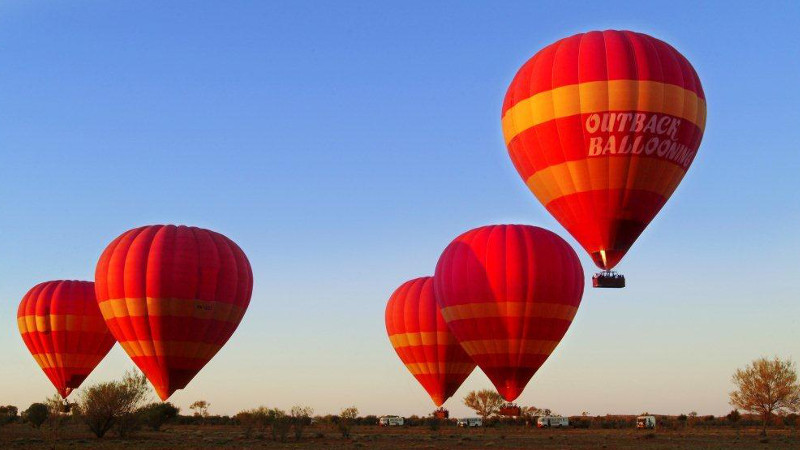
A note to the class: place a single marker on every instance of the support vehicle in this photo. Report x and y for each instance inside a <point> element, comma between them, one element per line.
<point>470,422</point>
<point>552,422</point>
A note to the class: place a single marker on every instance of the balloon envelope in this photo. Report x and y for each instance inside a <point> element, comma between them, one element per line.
<point>61,325</point>
<point>509,293</point>
<point>423,342</point>
<point>602,127</point>
<point>172,296</point>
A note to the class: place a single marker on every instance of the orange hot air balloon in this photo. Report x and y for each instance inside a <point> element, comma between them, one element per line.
<point>509,293</point>
<point>421,339</point>
<point>64,331</point>
<point>172,296</point>
<point>602,127</point>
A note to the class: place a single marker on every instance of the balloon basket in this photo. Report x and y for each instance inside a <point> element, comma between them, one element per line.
<point>608,279</point>
<point>441,413</point>
<point>510,410</point>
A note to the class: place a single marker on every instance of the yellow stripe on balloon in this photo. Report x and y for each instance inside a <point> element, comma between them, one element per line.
<point>425,338</point>
<point>653,175</point>
<point>440,368</point>
<point>600,96</point>
<point>61,322</point>
<point>508,309</point>
<point>183,349</point>
<point>509,347</point>
<point>171,307</point>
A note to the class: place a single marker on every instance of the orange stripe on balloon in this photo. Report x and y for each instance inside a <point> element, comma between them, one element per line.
<point>652,175</point>
<point>171,307</point>
<point>198,350</point>
<point>508,309</point>
<point>61,322</point>
<point>509,347</point>
<point>423,338</point>
<point>601,96</point>
<point>424,368</point>
<point>67,360</point>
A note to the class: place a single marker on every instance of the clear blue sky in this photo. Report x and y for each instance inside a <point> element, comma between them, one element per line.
<point>343,146</point>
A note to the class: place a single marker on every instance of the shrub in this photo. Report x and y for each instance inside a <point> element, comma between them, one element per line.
<point>155,415</point>
<point>346,418</point>
<point>114,405</point>
<point>301,418</point>
<point>36,414</point>
<point>8,414</point>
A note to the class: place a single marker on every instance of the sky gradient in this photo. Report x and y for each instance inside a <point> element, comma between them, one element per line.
<point>342,147</point>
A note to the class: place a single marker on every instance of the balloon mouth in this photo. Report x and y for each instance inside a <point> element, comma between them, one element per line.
<point>607,259</point>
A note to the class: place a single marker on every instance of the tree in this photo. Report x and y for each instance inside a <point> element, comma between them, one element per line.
<point>301,418</point>
<point>114,404</point>
<point>346,418</point>
<point>766,387</point>
<point>36,414</point>
<point>734,416</point>
<point>155,415</point>
<point>485,402</point>
<point>281,423</point>
<point>8,414</point>
<point>200,408</point>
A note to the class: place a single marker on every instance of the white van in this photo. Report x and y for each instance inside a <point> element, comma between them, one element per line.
<point>391,421</point>
<point>646,422</point>
<point>552,421</point>
<point>470,422</point>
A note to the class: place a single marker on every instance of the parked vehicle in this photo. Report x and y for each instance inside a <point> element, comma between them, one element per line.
<point>646,422</point>
<point>470,422</point>
<point>552,422</point>
<point>391,421</point>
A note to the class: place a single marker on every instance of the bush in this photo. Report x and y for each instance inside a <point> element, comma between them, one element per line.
<point>114,405</point>
<point>155,415</point>
<point>346,418</point>
<point>281,424</point>
<point>36,414</point>
<point>301,418</point>
<point>8,414</point>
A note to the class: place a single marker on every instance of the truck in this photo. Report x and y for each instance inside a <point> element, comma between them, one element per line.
<point>552,422</point>
<point>646,422</point>
<point>470,422</point>
<point>391,421</point>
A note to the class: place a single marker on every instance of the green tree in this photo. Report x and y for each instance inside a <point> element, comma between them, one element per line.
<point>766,387</point>
<point>114,404</point>
<point>485,402</point>
<point>346,419</point>
<point>301,418</point>
<point>155,415</point>
<point>200,408</point>
<point>36,414</point>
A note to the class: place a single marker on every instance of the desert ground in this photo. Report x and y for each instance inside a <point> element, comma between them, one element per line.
<point>324,436</point>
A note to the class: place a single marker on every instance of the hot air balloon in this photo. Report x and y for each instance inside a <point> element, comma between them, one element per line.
<point>172,296</point>
<point>508,293</point>
<point>423,342</point>
<point>602,127</point>
<point>61,325</point>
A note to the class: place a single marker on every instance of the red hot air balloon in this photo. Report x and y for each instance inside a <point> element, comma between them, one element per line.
<point>421,339</point>
<point>61,325</point>
<point>172,296</point>
<point>602,127</point>
<point>509,293</point>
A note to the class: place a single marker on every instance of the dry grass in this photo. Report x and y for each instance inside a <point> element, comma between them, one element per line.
<point>321,436</point>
